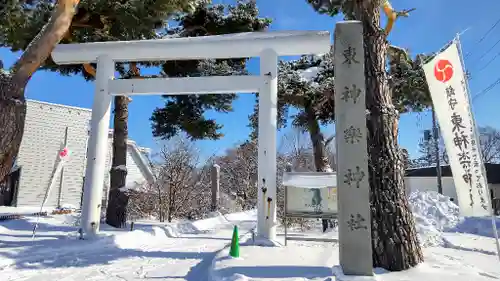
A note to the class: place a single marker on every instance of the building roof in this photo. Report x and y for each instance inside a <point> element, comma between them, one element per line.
<point>59,105</point>
<point>492,172</point>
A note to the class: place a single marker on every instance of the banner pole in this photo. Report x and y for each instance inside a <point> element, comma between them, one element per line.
<point>489,201</point>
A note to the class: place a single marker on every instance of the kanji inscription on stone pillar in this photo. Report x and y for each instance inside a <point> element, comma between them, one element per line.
<point>352,165</point>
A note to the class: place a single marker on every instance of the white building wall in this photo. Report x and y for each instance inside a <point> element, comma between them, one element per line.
<point>496,190</point>
<point>430,184</point>
<point>43,138</point>
<point>134,174</point>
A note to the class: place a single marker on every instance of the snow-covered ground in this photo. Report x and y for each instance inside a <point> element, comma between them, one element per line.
<point>455,249</point>
<point>180,251</point>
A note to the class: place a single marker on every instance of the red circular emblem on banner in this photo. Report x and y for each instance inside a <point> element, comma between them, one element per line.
<point>443,70</point>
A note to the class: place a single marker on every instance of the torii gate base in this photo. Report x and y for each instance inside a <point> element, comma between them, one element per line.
<point>266,45</point>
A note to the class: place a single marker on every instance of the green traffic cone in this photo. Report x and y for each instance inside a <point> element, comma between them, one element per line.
<point>235,244</point>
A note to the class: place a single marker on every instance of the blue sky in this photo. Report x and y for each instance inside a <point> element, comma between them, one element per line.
<point>427,29</point>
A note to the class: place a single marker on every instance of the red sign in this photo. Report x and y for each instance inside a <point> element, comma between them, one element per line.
<point>63,153</point>
<point>443,70</point>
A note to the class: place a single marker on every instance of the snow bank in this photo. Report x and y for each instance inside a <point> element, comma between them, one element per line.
<point>433,213</point>
<point>478,226</point>
<point>209,223</point>
<point>206,225</point>
<point>139,238</point>
<point>217,218</point>
<point>179,228</point>
<point>242,216</point>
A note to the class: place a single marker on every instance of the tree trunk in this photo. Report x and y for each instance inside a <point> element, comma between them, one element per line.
<point>12,116</point>
<point>321,162</point>
<point>12,86</point>
<point>171,202</point>
<point>394,237</point>
<point>117,204</point>
<point>170,214</point>
<point>161,209</point>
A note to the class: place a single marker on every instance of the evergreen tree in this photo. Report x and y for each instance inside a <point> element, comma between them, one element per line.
<point>394,237</point>
<point>427,151</point>
<point>306,84</point>
<point>100,21</point>
<point>185,113</point>
<point>52,22</point>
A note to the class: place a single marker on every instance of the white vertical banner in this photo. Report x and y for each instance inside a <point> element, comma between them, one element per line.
<point>446,79</point>
<point>62,158</point>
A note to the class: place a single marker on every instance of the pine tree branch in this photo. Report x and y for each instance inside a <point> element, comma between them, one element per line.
<point>393,15</point>
<point>135,72</point>
<point>89,69</point>
<point>42,45</point>
<point>398,52</point>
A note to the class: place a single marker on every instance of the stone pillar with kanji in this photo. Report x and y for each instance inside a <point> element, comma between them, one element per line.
<point>352,166</point>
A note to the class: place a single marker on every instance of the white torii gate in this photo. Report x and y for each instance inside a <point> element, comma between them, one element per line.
<point>266,45</point>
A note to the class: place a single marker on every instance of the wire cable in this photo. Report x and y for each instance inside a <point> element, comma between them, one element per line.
<point>483,37</point>
<point>486,90</point>
<point>487,64</point>
<point>489,50</point>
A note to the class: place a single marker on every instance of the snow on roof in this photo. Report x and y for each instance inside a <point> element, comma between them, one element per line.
<point>59,105</point>
<point>142,162</point>
<point>310,179</point>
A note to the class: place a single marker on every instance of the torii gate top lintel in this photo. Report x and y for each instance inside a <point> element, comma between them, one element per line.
<point>238,45</point>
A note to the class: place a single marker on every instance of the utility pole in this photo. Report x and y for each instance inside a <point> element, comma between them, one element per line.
<point>435,136</point>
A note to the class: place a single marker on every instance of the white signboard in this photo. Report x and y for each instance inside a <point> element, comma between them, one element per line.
<point>311,200</point>
<point>311,192</point>
<point>447,85</point>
